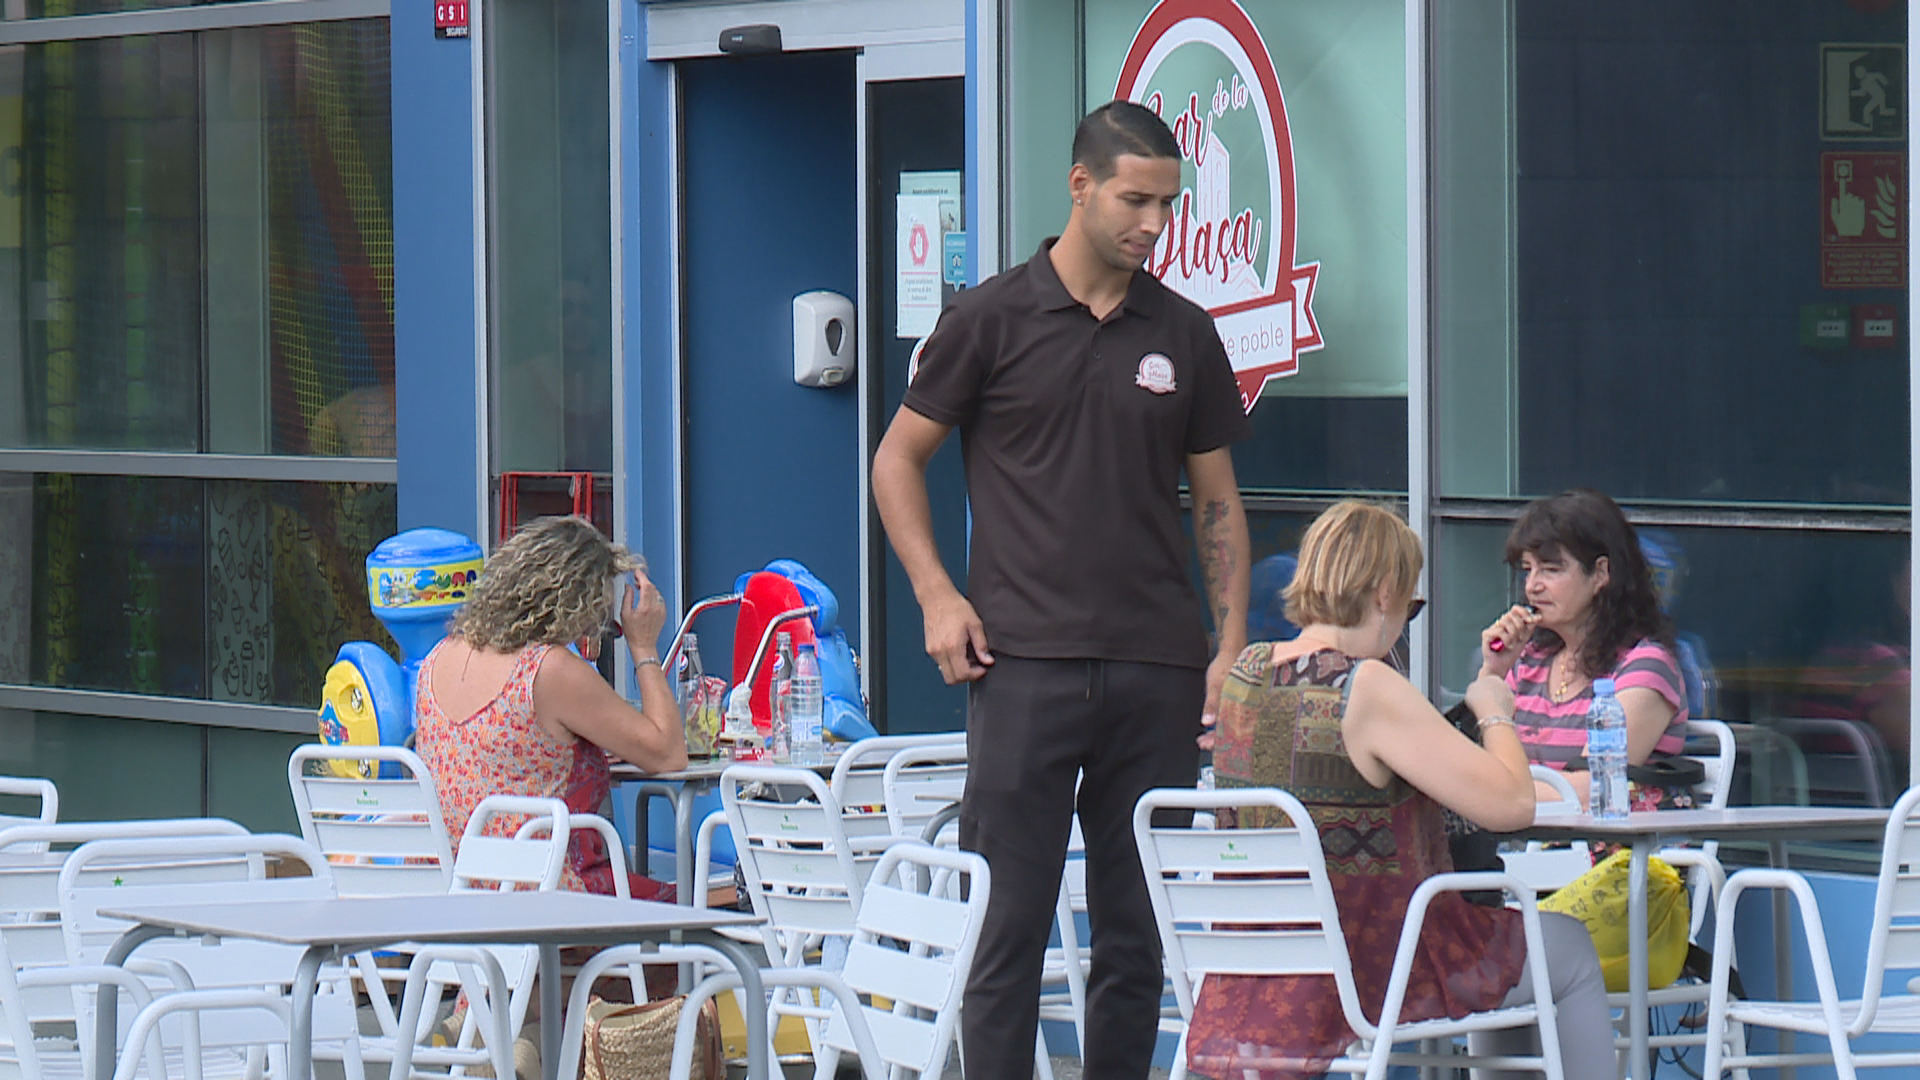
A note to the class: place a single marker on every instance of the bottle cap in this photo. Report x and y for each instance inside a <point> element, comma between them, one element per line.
<point>1602,686</point>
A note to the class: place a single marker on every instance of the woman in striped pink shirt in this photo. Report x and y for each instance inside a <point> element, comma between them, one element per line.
<point>1591,612</point>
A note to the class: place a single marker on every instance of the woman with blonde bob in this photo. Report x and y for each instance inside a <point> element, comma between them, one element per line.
<point>1374,762</point>
<point>501,707</point>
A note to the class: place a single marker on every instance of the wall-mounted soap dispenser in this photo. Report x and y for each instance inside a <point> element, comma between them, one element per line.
<point>824,339</point>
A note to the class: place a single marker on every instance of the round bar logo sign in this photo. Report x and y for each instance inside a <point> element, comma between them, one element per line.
<point>1229,245</point>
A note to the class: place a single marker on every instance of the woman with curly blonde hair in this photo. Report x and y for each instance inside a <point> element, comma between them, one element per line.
<point>502,708</point>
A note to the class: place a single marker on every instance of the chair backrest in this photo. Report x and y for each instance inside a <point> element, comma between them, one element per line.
<point>143,872</point>
<point>1776,770</point>
<point>1895,937</point>
<point>1847,761</point>
<point>914,949</point>
<point>859,775</point>
<point>510,863</point>
<point>610,836</point>
<point>383,836</point>
<point>1254,900</point>
<point>189,870</point>
<point>919,782</point>
<point>31,787</point>
<point>802,877</point>
<point>30,921</point>
<point>1546,868</point>
<point>1713,792</point>
<point>1568,801</point>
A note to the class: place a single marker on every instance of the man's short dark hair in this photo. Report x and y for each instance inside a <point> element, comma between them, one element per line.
<point>1121,127</point>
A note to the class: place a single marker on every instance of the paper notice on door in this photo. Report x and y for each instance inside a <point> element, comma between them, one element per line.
<point>917,264</point>
<point>942,182</point>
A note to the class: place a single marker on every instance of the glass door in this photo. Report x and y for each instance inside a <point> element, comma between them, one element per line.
<point>913,236</point>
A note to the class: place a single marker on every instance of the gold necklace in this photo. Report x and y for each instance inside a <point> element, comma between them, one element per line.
<point>1565,683</point>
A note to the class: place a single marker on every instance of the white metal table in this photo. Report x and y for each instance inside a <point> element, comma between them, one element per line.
<point>333,929</point>
<point>1645,832</point>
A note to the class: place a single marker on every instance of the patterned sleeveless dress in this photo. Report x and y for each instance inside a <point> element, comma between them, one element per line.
<point>1280,727</point>
<point>502,749</point>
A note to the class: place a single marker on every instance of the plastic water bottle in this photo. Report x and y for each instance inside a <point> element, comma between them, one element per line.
<point>803,709</point>
<point>1606,754</point>
<point>780,700</point>
<point>687,679</point>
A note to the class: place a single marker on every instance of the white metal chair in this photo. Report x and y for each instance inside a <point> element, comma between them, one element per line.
<point>382,836</point>
<point>919,782</point>
<point>19,1058</point>
<point>526,860</point>
<point>498,980</point>
<point>1894,942</point>
<point>858,778</point>
<point>802,875</point>
<point>1212,923</point>
<point>208,1005</point>
<point>1705,878</point>
<point>912,948</point>
<point>1545,869</point>
<point>24,1055</point>
<point>31,787</point>
<point>30,920</point>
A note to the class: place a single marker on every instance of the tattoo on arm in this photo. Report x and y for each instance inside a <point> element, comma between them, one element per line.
<point>1216,557</point>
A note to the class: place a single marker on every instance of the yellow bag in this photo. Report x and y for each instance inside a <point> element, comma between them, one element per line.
<point>1599,899</point>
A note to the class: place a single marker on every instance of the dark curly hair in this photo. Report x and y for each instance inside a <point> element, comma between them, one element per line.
<point>1583,525</point>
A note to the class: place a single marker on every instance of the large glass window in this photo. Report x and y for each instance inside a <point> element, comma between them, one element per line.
<point>226,590</point>
<point>196,272</point>
<point>1669,263</point>
<point>197,242</point>
<point>1638,274</point>
<point>551,264</point>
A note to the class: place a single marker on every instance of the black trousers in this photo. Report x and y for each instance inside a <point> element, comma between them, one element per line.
<point>1033,725</point>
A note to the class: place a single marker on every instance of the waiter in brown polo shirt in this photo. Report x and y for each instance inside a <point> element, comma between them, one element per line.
<point>1082,387</point>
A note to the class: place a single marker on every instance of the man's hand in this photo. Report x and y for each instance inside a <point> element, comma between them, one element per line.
<point>956,639</point>
<point>1210,711</point>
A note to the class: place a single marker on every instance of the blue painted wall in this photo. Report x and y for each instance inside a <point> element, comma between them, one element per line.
<point>435,394</point>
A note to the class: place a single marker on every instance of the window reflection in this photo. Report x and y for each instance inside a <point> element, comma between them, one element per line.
<point>225,590</point>
<point>196,248</point>
<point>1799,640</point>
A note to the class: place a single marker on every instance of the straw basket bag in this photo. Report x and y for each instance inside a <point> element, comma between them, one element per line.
<point>635,1042</point>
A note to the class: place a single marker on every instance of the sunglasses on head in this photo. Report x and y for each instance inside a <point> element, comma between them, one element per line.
<point>1415,606</point>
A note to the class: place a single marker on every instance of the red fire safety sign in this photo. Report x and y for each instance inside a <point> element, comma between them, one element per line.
<point>1863,241</point>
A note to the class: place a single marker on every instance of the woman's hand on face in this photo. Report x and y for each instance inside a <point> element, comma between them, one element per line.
<point>1500,643</point>
<point>642,614</point>
<point>1489,695</point>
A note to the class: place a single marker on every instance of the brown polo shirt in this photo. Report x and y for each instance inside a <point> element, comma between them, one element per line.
<point>1074,432</point>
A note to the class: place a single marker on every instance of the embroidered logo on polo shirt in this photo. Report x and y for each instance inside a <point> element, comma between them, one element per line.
<point>1156,374</point>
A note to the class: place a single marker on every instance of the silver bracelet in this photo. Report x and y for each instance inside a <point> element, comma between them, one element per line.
<point>1495,721</point>
<point>640,661</point>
